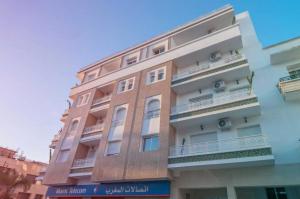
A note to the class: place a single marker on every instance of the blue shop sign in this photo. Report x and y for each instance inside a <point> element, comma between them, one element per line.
<point>147,188</point>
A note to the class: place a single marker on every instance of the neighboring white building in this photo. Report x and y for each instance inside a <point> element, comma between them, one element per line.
<point>203,109</point>
<point>276,83</point>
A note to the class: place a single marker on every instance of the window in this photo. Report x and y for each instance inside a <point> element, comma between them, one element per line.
<point>276,193</point>
<point>122,86</point>
<point>131,61</point>
<point>152,77</point>
<point>153,109</point>
<point>201,141</point>
<point>74,125</point>
<point>126,85</point>
<point>249,131</point>
<point>119,117</point>
<point>83,99</point>
<point>156,75</point>
<point>38,196</point>
<point>90,75</point>
<point>130,84</point>
<point>158,50</point>
<point>113,148</point>
<point>150,143</point>
<point>161,74</point>
<point>63,155</point>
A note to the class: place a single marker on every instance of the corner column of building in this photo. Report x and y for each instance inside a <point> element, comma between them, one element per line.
<point>231,194</point>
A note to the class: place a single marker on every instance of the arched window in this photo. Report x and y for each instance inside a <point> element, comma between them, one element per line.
<point>153,108</point>
<point>119,116</point>
<point>74,125</point>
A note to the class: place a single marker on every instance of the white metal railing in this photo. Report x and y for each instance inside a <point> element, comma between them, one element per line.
<point>288,85</point>
<point>102,99</point>
<point>205,103</point>
<point>195,69</point>
<point>90,129</point>
<point>88,162</point>
<point>220,146</point>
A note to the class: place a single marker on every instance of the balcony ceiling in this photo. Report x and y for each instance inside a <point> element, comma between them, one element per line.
<point>206,81</point>
<point>226,163</point>
<point>248,110</point>
<point>204,53</point>
<point>214,23</point>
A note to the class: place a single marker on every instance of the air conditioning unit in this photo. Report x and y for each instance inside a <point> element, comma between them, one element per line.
<point>219,86</point>
<point>210,30</point>
<point>224,124</point>
<point>216,56</point>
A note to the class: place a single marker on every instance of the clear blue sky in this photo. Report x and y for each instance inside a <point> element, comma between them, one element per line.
<point>44,43</point>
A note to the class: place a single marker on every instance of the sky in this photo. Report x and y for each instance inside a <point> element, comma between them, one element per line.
<point>44,43</point>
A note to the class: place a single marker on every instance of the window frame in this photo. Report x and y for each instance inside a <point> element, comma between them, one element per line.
<point>158,50</point>
<point>150,137</point>
<point>155,74</point>
<point>113,142</point>
<point>59,160</point>
<point>83,99</point>
<point>126,83</point>
<point>131,60</point>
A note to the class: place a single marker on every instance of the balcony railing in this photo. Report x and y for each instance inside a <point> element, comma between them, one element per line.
<point>94,128</point>
<point>224,60</point>
<point>288,78</point>
<point>220,146</point>
<point>102,99</point>
<point>289,86</point>
<point>239,94</point>
<point>89,162</point>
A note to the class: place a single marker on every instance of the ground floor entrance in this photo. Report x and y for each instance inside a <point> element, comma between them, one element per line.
<point>278,192</point>
<point>256,182</point>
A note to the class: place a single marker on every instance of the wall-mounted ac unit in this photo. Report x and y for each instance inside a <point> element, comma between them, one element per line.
<point>219,85</point>
<point>216,56</point>
<point>224,124</point>
<point>210,30</point>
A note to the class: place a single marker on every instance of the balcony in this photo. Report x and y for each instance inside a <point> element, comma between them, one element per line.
<point>227,38</point>
<point>82,168</point>
<point>100,104</point>
<point>55,140</point>
<point>101,100</point>
<point>82,163</point>
<point>92,129</point>
<point>92,133</point>
<point>229,105</point>
<point>229,67</point>
<point>64,115</point>
<point>289,87</point>
<point>243,151</point>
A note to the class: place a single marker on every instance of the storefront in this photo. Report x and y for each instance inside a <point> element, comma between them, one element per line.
<point>152,189</point>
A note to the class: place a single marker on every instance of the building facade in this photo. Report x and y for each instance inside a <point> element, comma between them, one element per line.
<point>201,112</point>
<point>30,169</point>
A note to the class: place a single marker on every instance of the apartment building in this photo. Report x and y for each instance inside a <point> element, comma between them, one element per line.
<point>202,111</point>
<point>30,169</point>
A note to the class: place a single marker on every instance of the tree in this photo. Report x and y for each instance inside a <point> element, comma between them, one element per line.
<point>10,180</point>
